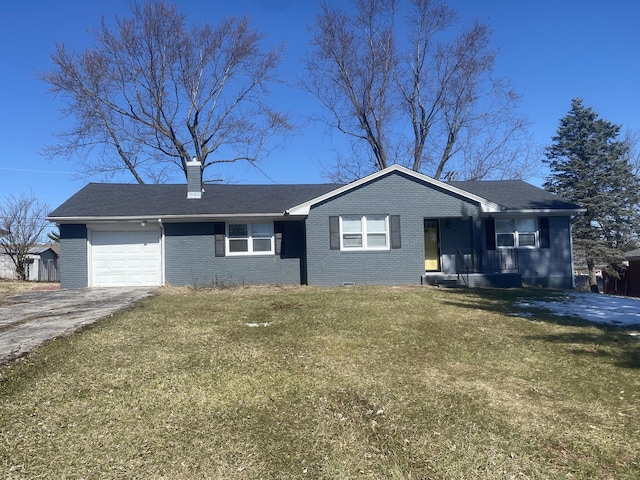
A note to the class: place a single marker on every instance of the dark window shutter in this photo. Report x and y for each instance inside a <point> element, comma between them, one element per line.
<point>219,229</point>
<point>394,220</point>
<point>278,229</point>
<point>545,238</point>
<point>219,251</point>
<point>334,233</point>
<point>490,231</point>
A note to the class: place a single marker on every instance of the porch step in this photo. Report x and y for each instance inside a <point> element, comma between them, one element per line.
<point>494,280</point>
<point>450,283</point>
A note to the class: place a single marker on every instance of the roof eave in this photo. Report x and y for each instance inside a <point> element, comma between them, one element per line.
<point>138,218</point>
<point>560,212</point>
<point>633,255</point>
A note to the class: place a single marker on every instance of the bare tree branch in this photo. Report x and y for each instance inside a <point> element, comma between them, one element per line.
<point>22,223</point>
<point>429,97</point>
<point>154,93</point>
<point>632,141</point>
<point>351,70</point>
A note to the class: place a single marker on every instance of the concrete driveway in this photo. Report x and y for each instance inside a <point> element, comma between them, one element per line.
<point>29,319</point>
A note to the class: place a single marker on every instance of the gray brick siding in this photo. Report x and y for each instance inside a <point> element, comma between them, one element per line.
<point>194,179</point>
<point>73,256</point>
<point>550,267</point>
<point>460,228</point>
<point>393,194</point>
<point>190,260</point>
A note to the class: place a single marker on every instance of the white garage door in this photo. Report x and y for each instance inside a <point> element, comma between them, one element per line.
<point>125,259</point>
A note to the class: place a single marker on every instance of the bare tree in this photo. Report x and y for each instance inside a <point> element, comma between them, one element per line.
<point>153,93</point>
<point>352,74</point>
<point>632,140</point>
<point>430,104</point>
<point>22,223</point>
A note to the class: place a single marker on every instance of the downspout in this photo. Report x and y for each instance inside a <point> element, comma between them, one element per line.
<point>573,274</point>
<point>162,252</point>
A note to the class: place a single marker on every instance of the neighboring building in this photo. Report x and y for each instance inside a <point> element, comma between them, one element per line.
<point>42,267</point>
<point>633,273</point>
<point>7,269</point>
<point>393,227</point>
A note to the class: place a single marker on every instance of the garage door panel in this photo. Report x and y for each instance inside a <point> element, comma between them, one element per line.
<point>126,258</point>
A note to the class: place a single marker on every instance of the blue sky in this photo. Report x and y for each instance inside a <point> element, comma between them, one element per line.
<point>551,50</point>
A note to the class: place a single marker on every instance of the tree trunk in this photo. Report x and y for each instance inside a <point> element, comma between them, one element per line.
<point>593,280</point>
<point>21,270</point>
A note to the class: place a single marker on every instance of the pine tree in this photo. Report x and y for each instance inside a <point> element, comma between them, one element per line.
<point>589,165</point>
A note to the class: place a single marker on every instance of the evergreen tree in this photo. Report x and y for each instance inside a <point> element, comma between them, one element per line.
<point>589,165</point>
<point>54,236</point>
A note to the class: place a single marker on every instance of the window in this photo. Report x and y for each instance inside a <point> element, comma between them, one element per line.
<point>366,232</point>
<point>516,232</point>
<point>250,238</point>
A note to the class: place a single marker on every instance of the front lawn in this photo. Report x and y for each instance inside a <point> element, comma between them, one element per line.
<point>287,383</point>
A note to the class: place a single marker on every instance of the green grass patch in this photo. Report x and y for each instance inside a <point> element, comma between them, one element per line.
<point>286,383</point>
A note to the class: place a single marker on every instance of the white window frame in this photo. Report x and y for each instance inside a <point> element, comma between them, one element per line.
<point>250,237</point>
<point>518,232</point>
<point>364,233</point>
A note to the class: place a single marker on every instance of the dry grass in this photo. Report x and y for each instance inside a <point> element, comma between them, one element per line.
<point>13,287</point>
<point>400,383</point>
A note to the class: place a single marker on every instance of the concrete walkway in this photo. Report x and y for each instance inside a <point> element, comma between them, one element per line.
<point>29,319</point>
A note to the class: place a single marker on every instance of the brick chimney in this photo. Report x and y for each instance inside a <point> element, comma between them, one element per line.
<point>194,179</point>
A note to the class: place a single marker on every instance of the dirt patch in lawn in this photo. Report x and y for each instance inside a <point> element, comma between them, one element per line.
<point>9,288</point>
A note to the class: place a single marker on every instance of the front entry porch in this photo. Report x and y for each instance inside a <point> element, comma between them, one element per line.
<point>456,255</point>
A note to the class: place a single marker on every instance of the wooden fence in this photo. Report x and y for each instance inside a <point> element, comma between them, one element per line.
<point>48,271</point>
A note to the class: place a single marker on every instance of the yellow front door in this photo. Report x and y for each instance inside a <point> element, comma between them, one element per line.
<point>431,253</point>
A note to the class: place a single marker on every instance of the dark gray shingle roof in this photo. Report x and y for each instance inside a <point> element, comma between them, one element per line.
<point>515,195</point>
<point>125,200</point>
<point>132,200</point>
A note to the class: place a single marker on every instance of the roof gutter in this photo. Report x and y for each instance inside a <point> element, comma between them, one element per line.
<point>546,211</point>
<point>138,218</point>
